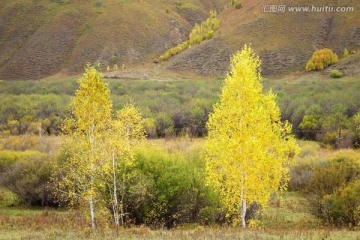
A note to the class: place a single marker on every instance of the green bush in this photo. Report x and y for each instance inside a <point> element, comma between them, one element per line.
<point>168,189</point>
<point>28,179</point>
<point>236,3</point>
<point>333,185</point>
<point>309,127</point>
<point>321,59</point>
<point>7,198</point>
<point>346,53</point>
<point>336,73</point>
<point>342,208</point>
<point>98,4</point>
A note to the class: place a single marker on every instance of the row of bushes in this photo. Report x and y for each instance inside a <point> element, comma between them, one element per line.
<point>163,189</point>
<point>319,108</point>
<point>170,108</point>
<point>34,113</point>
<point>178,108</point>
<point>198,34</point>
<point>166,188</point>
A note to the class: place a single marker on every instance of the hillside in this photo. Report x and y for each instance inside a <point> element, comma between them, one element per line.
<point>284,40</point>
<point>42,38</point>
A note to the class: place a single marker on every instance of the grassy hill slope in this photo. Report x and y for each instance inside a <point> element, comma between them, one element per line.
<point>284,41</point>
<point>43,37</point>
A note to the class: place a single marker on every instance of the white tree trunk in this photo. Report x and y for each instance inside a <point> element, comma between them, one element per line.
<point>243,209</point>
<point>122,198</point>
<point>243,213</point>
<point>92,212</point>
<point>92,170</point>
<point>115,204</point>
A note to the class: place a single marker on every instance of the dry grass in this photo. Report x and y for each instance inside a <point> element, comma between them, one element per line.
<point>42,37</point>
<point>49,145</point>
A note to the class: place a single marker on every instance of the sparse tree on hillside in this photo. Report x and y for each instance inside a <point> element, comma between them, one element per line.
<point>249,150</point>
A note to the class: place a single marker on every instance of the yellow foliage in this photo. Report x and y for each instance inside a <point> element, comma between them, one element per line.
<point>198,34</point>
<point>83,171</point>
<point>248,149</point>
<point>321,59</point>
<point>92,105</point>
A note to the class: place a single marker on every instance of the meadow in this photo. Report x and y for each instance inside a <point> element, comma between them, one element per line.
<point>167,196</point>
<point>289,215</point>
<point>181,107</point>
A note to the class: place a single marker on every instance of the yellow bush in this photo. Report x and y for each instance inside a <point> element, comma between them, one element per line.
<point>198,34</point>
<point>321,59</point>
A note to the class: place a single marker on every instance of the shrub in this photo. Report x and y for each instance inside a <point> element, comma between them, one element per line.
<point>356,122</point>
<point>29,181</point>
<point>346,53</point>
<point>329,176</point>
<point>7,198</point>
<point>300,177</point>
<point>164,124</point>
<point>336,73</point>
<point>236,3</point>
<point>168,189</point>
<point>343,207</point>
<point>309,126</point>
<point>98,4</point>
<point>333,189</point>
<point>321,59</point>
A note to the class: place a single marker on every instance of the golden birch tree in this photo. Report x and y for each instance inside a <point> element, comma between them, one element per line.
<point>84,170</point>
<point>126,133</point>
<point>248,150</point>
